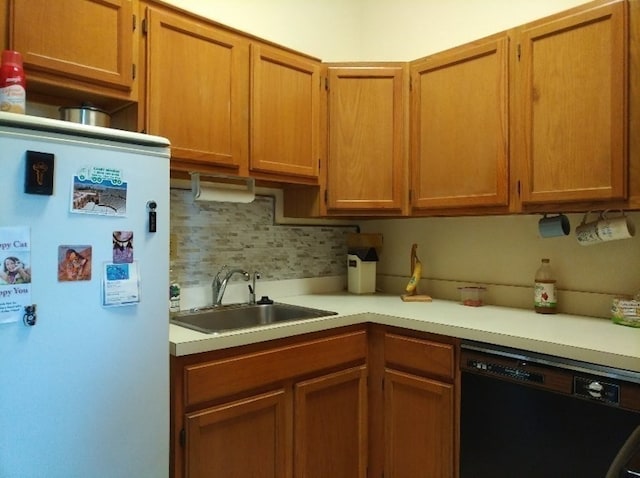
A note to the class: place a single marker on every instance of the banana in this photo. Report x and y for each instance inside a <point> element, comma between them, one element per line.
<point>415,277</point>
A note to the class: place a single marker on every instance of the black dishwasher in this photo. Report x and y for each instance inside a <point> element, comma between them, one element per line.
<point>528,415</point>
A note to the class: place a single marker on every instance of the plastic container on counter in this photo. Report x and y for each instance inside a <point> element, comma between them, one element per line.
<point>472,296</point>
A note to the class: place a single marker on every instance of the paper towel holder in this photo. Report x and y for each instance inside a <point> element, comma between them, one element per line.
<point>222,188</point>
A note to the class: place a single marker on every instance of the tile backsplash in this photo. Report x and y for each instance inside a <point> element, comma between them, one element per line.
<point>206,236</point>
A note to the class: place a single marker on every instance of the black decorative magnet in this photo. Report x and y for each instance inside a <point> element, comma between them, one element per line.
<point>38,178</point>
<point>152,205</point>
<point>29,317</point>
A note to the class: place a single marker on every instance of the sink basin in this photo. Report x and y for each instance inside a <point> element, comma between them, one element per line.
<point>243,316</point>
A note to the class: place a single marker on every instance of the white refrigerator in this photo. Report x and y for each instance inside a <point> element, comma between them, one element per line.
<point>84,280</point>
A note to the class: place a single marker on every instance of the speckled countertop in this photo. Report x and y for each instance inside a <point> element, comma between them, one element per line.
<point>587,339</point>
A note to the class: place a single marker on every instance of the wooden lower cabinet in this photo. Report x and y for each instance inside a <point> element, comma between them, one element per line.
<point>243,438</point>
<point>414,401</point>
<point>356,402</point>
<point>331,425</point>
<point>293,407</point>
<point>419,425</point>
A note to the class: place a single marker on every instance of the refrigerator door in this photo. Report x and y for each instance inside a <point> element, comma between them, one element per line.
<point>85,391</point>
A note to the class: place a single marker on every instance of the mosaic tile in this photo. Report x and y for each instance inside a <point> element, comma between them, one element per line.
<point>210,235</point>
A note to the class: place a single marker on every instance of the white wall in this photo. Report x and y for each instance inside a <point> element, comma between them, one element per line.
<point>374,30</point>
<point>410,29</point>
<point>503,253</point>
<point>322,28</point>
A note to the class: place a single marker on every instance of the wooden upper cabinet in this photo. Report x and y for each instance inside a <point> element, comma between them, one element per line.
<point>572,113</point>
<point>197,90</point>
<point>285,112</point>
<point>460,132</point>
<point>90,41</point>
<point>367,136</point>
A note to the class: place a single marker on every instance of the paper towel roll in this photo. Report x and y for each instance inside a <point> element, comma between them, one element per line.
<point>223,191</point>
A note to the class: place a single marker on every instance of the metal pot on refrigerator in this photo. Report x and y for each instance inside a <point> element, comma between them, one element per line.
<point>85,114</point>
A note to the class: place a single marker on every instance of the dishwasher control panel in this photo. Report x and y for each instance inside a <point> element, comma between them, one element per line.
<point>595,389</point>
<point>506,371</point>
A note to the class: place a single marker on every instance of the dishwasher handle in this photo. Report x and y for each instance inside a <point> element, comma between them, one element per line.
<point>627,460</point>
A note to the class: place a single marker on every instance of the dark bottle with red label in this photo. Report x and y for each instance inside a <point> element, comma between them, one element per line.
<point>13,87</point>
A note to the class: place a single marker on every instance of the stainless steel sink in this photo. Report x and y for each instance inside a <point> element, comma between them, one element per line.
<point>243,316</point>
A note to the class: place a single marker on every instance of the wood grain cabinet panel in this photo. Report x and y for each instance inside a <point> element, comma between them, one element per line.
<point>197,90</point>
<point>285,112</point>
<point>243,438</point>
<point>331,425</point>
<point>424,356</point>
<point>87,42</point>
<point>460,127</point>
<point>419,427</point>
<point>209,380</point>
<point>292,407</point>
<point>572,115</point>
<point>367,150</point>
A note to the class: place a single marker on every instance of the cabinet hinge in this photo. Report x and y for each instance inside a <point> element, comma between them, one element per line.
<point>134,23</point>
<point>518,51</point>
<point>144,26</point>
<point>133,71</point>
<point>183,438</point>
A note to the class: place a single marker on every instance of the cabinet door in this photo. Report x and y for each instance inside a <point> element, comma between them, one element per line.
<point>239,439</point>
<point>419,427</point>
<point>572,77</point>
<point>331,425</point>
<point>285,113</point>
<point>90,40</point>
<point>459,137</point>
<point>197,90</point>
<point>367,169</point>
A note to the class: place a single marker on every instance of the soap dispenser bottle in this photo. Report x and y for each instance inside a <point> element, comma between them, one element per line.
<point>174,294</point>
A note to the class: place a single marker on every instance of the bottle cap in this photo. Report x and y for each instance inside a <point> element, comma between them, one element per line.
<point>10,57</point>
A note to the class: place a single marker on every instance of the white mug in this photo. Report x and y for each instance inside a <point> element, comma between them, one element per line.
<point>604,229</point>
<point>587,232</point>
<point>611,229</point>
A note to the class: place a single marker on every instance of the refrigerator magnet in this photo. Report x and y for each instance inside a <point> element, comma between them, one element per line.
<point>122,247</point>
<point>120,284</point>
<point>15,272</point>
<point>99,190</point>
<point>74,263</point>
<point>39,173</point>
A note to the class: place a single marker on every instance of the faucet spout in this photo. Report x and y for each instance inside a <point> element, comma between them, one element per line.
<point>219,285</point>
<point>252,288</point>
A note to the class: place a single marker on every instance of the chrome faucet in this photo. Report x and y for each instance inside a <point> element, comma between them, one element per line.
<point>219,285</point>
<point>252,288</point>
